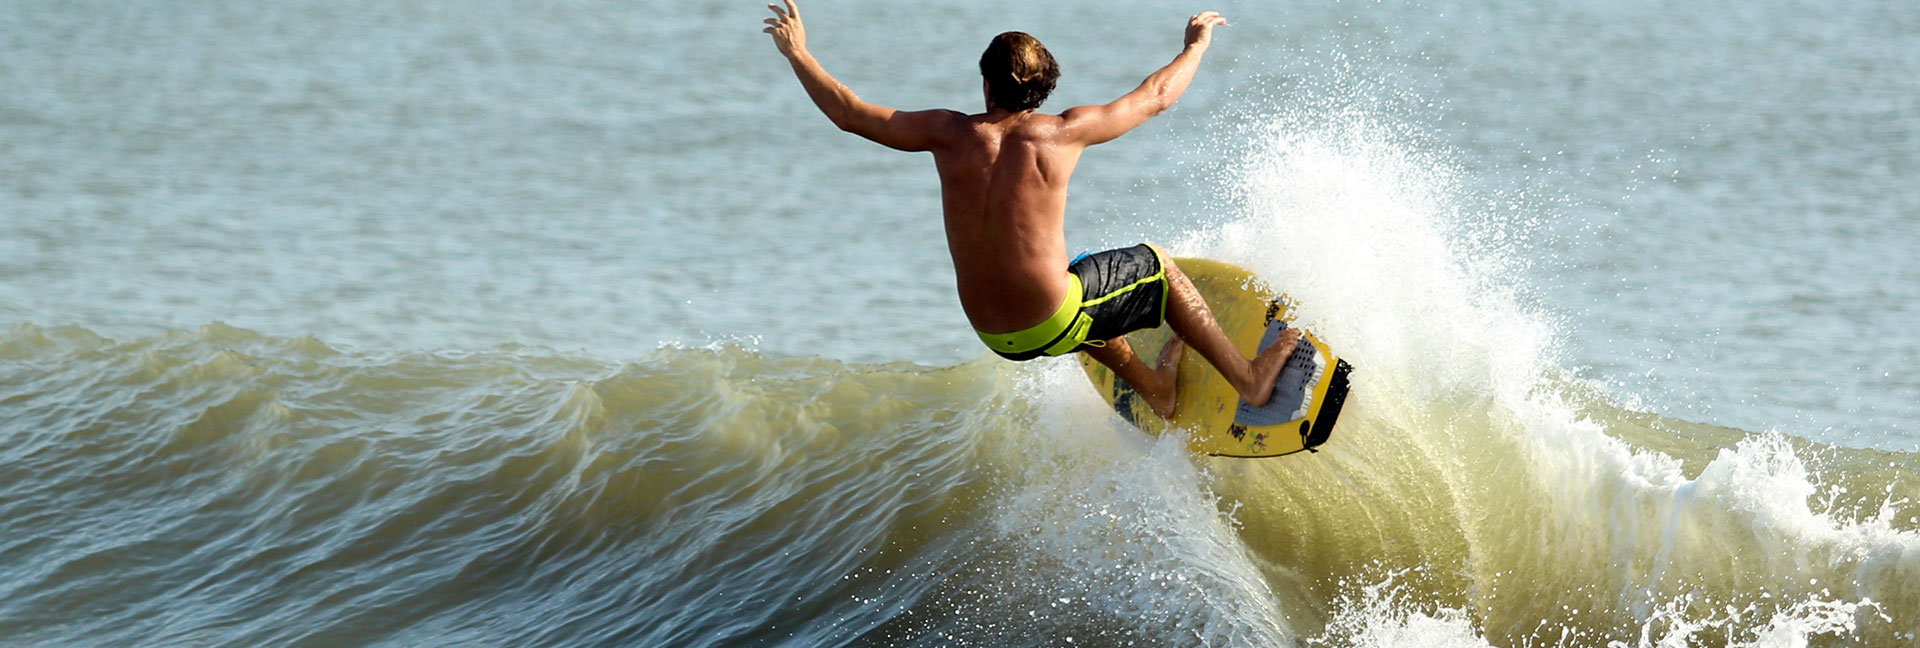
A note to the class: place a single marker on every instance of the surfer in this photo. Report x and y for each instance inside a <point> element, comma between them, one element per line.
<point>1003,188</point>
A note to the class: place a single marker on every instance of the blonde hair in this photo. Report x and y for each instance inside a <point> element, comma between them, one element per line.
<point>1020,72</point>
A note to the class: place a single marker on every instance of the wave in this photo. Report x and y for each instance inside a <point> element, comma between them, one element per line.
<point>274,491</point>
<point>221,486</point>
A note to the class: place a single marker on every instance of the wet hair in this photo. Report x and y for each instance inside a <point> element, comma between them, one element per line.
<point>1020,72</point>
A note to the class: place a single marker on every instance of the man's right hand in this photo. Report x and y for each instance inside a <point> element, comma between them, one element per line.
<point>1200,28</point>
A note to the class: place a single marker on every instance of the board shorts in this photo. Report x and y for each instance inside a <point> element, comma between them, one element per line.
<point>1114,293</point>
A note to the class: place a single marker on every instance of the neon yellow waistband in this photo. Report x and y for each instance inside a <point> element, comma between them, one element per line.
<point>1052,334</point>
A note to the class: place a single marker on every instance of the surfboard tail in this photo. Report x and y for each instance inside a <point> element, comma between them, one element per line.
<point>1330,411</point>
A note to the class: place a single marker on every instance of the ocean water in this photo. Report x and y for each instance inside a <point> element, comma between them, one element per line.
<point>561,323</point>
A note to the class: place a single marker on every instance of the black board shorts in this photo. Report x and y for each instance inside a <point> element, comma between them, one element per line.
<point>1117,292</point>
<point>1126,291</point>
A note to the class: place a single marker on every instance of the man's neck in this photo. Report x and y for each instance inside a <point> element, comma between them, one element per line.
<point>995,113</point>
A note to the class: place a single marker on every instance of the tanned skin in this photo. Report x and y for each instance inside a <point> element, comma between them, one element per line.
<point>1003,189</point>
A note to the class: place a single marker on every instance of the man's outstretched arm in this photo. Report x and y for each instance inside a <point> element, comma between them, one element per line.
<point>907,131</point>
<point>1095,124</point>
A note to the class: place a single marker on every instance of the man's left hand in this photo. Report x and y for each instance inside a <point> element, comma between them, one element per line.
<point>788,33</point>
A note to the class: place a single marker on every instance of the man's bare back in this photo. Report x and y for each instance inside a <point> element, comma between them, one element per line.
<point>1003,186</point>
<point>1003,179</point>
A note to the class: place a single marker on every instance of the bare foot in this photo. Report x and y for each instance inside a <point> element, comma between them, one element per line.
<point>1167,373</point>
<point>1266,367</point>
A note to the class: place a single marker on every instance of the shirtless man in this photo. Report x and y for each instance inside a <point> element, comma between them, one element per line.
<point>1003,188</point>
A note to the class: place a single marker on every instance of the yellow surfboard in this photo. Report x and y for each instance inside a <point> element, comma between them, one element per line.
<point>1306,399</point>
